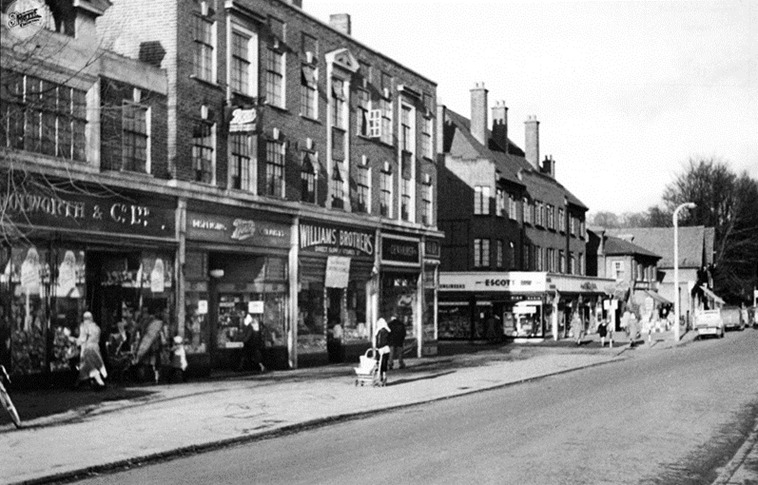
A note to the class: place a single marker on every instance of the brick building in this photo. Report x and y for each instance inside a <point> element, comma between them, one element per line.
<point>514,257</point>
<point>86,222</point>
<point>304,170</point>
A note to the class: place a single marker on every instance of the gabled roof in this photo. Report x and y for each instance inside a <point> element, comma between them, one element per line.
<point>695,243</point>
<point>512,165</point>
<point>617,246</point>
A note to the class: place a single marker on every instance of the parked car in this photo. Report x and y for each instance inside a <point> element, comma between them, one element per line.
<point>709,322</point>
<point>732,318</point>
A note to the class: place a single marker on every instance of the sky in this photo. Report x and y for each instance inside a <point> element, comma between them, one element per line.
<point>626,92</point>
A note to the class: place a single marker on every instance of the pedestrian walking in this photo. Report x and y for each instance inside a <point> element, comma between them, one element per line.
<point>178,359</point>
<point>91,365</point>
<point>602,331</point>
<point>576,328</point>
<point>397,341</point>
<point>246,359</point>
<point>382,346</point>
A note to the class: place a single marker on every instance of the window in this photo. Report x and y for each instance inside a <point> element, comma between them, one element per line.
<point>561,220</point>
<point>481,200</point>
<point>386,84</point>
<point>386,126</point>
<point>426,137</point>
<point>275,78</point>
<point>580,262</point>
<point>241,162</point>
<point>618,270</point>
<point>572,263</point>
<point>363,189</point>
<point>274,168</point>
<point>338,145</point>
<point>539,213</point>
<point>385,202</point>
<point>406,129</point>
<point>42,117</point>
<point>527,211</point>
<point>203,151</point>
<point>426,200</point>
<point>363,113</point>
<point>550,216</point>
<point>365,72</point>
<point>500,202</point>
<point>277,29</point>
<point>405,199</point>
<point>240,79</point>
<point>338,188</point>
<point>561,261</point>
<point>539,256</point>
<point>512,207</point>
<point>309,92</point>
<point>338,104</point>
<point>308,178</point>
<point>135,138</point>
<point>582,229</point>
<point>499,255</point>
<point>481,253</point>
<point>511,255</point>
<point>550,259</point>
<point>572,226</point>
<point>204,45</point>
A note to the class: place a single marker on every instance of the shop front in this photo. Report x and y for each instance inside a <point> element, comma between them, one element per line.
<point>75,250</point>
<point>401,285</point>
<point>235,263</point>
<point>335,280</point>
<point>492,306</point>
<point>430,296</point>
<point>590,297</point>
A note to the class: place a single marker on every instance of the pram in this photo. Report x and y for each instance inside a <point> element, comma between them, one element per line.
<point>368,369</point>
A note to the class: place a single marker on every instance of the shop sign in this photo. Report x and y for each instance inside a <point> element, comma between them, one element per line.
<point>114,214</point>
<point>507,282</point>
<point>255,306</point>
<point>237,230</point>
<point>432,249</point>
<point>319,238</point>
<point>243,120</point>
<point>399,250</point>
<point>337,272</point>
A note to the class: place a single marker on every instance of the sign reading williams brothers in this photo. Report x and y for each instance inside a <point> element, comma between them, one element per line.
<point>321,238</point>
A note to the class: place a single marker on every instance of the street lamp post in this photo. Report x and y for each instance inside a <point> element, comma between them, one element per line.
<point>688,205</point>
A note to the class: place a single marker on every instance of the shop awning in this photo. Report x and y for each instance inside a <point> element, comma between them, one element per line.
<point>713,296</point>
<point>657,297</point>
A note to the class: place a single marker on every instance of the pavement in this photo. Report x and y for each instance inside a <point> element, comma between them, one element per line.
<point>129,426</point>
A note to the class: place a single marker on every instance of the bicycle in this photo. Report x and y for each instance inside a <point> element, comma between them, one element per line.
<point>5,398</point>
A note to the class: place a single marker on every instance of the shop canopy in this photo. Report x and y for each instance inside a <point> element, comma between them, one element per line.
<point>710,294</point>
<point>657,297</point>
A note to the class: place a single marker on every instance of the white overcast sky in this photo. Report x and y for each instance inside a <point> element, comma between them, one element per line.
<point>626,92</point>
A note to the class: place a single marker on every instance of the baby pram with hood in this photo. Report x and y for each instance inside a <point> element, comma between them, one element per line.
<point>368,369</point>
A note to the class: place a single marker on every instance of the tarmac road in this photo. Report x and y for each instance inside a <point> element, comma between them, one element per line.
<point>671,417</point>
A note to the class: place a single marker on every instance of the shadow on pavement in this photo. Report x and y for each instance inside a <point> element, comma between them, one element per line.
<point>399,382</point>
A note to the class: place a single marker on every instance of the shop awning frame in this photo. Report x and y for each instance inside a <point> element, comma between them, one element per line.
<point>657,297</point>
<point>713,296</point>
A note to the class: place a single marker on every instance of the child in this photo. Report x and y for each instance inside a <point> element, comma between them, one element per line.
<point>178,359</point>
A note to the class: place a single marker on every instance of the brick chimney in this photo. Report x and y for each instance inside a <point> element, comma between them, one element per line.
<point>500,125</point>
<point>548,166</point>
<point>341,22</point>
<point>479,113</point>
<point>532,142</point>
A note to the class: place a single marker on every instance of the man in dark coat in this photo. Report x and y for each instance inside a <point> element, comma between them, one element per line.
<point>397,340</point>
<point>246,361</point>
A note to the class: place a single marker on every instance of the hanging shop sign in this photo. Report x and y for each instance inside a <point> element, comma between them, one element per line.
<point>400,251</point>
<point>242,120</point>
<point>337,271</point>
<point>334,240</point>
<point>237,230</point>
<point>122,215</point>
<point>432,249</point>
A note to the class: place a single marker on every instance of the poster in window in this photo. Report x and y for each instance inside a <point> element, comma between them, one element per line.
<point>337,271</point>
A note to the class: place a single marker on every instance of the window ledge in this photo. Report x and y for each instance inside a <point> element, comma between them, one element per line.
<point>276,107</point>
<point>206,82</point>
<point>312,120</point>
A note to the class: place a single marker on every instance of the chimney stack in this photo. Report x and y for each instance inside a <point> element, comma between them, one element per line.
<point>341,22</point>
<point>479,113</point>
<point>532,141</point>
<point>500,125</point>
<point>548,166</point>
<point>441,114</point>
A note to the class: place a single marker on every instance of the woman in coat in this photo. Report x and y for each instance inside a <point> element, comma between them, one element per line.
<point>91,365</point>
<point>382,346</point>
